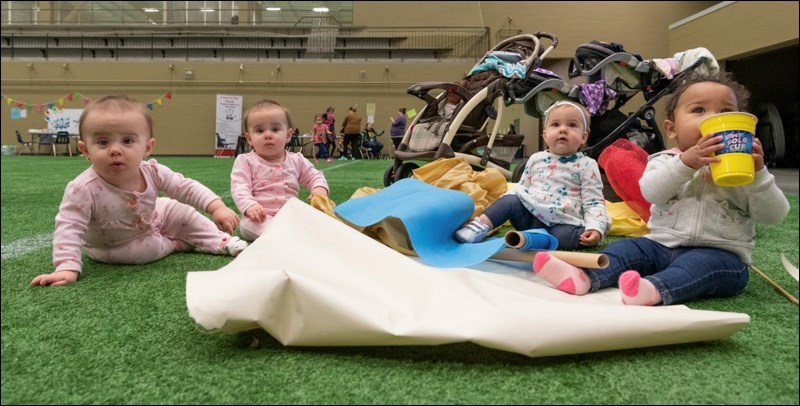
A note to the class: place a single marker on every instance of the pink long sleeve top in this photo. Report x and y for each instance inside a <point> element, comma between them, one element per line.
<point>254,180</point>
<point>99,215</point>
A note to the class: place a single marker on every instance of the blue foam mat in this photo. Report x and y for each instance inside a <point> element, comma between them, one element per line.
<point>431,217</point>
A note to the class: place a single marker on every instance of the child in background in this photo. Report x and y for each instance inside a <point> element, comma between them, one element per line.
<point>263,180</point>
<point>560,191</point>
<point>112,209</point>
<point>329,120</point>
<point>319,133</point>
<point>701,234</point>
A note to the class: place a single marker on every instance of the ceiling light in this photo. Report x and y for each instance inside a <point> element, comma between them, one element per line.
<point>150,10</point>
<point>206,10</point>
<point>273,9</point>
<point>320,9</point>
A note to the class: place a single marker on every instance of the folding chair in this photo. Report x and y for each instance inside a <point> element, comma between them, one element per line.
<point>62,138</point>
<point>223,148</point>
<point>23,143</point>
<point>366,152</point>
<point>294,143</point>
<point>47,140</point>
<point>241,145</point>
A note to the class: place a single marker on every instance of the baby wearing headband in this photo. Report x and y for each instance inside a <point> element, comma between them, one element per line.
<point>560,191</point>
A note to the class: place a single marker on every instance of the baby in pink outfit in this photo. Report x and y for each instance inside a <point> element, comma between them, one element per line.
<point>263,180</point>
<point>112,209</point>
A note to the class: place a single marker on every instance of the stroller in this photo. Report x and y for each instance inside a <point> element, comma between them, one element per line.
<point>437,133</point>
<point>614,76</point>
<point>625,74</point>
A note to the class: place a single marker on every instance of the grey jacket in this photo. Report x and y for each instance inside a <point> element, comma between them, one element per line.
<point>688,209</point>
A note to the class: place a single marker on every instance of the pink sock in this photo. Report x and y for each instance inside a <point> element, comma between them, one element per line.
<point>565,277</point>
<point>638,291</point>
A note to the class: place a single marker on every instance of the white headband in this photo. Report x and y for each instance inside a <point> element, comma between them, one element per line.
<point>567,103</point>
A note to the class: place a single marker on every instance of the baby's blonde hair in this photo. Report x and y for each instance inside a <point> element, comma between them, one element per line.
<point>264,104</point>
<point>116,102</point>
<point>585,116</point>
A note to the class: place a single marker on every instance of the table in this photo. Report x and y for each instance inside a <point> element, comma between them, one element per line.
<point>38,133</point>
<point>303,141</point>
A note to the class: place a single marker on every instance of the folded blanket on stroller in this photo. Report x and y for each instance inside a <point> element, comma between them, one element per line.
<point>505,68</point>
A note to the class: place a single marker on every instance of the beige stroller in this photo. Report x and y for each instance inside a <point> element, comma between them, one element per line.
<point>464,129</point>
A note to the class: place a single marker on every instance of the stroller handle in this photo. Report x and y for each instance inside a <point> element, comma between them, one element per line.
<point>553,42</point>
<point>595,149</point>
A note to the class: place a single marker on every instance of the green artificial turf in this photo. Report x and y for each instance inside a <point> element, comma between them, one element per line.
<point>122,334</point>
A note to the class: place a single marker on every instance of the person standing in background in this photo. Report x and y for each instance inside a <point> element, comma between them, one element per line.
<point>398,128</point>
<point>329,120</point>
<point>351,128</point>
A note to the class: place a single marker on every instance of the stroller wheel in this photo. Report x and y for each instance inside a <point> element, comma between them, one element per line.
<point>649,113</point>
<point>388,176</point>
<point>518,170</point>
<point>405,170</point>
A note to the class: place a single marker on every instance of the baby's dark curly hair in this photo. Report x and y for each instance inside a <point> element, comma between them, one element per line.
<point>724,78</point>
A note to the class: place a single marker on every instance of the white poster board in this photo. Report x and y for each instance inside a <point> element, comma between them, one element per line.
<point>229,124</point>
<point>63,120</point>
<point>371,113</point>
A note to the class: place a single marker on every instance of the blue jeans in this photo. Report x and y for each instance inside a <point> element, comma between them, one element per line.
<point>322,151</point>
<point>680,274</point>
<point>376,147</point>
<point>510,208</point>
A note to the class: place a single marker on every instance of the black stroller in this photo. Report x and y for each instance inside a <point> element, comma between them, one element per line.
<point>626,74</point>
<point>437,132</point>
<point>610,66</point>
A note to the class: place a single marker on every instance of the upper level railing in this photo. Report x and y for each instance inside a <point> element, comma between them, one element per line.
<point>203,13</point>
<point>216,30</point>
<point>241,43</point>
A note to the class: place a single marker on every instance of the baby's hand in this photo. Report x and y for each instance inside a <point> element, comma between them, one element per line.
<point>58,278</point>
<point>758,154</point>
<point>317,191</point>
<point>225,219</point>
<point>590,238</point>
<point>700,154</point>
<point>255,213</point>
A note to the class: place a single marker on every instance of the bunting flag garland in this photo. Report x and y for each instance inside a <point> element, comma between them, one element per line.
<point>58,104</point>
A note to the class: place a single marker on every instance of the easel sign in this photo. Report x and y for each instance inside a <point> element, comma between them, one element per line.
<point>63,120</point>
<point>229,125</point>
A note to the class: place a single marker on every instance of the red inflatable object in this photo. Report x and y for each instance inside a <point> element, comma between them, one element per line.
<point>624,163</point>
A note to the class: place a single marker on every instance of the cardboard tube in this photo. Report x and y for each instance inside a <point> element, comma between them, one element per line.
<point>579,259</point>
<point>514,239</point>
<point>531,240</point>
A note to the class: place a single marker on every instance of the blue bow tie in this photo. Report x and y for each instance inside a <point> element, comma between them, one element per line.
<point>571,158</point>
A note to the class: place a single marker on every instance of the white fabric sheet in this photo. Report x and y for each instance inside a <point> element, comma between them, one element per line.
<point>314,281</point>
